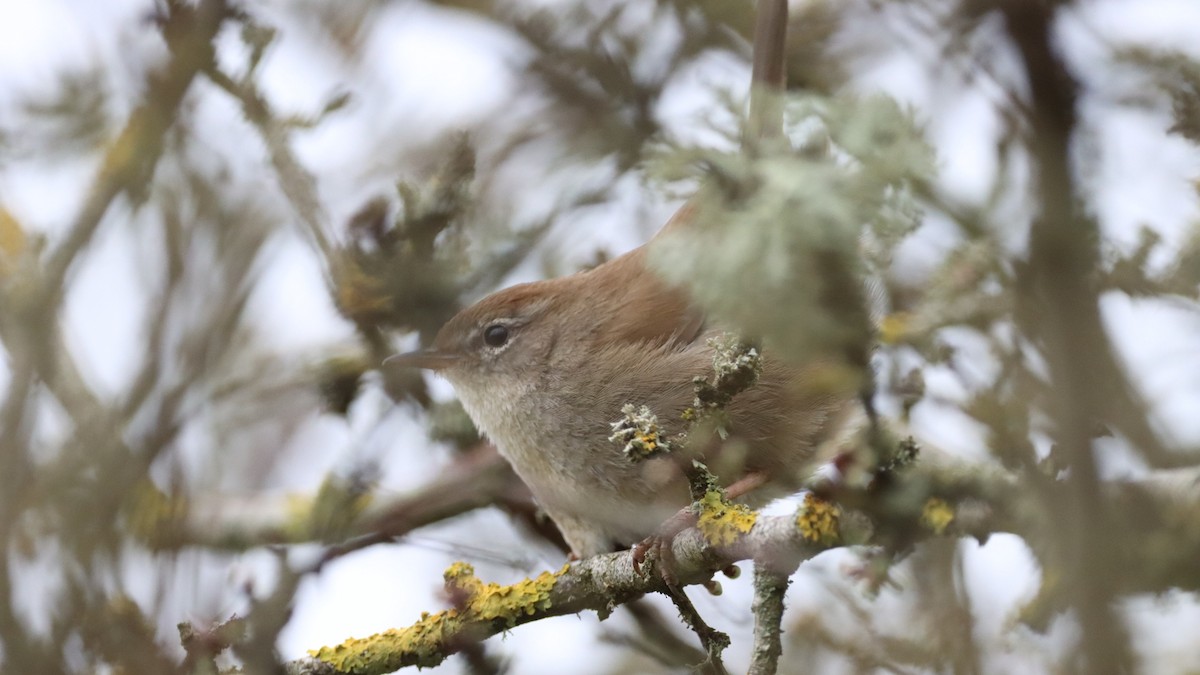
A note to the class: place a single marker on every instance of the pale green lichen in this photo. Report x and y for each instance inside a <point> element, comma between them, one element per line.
<point>425,642</point>
<point>819,521</point>
<point>639,433</point>
<point>721,521</point>
<point>790,231</point>
<point>736,367</point>
<point>734,361</point>
<point>903,454</point>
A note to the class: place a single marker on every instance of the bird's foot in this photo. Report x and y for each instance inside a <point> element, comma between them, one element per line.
<point>658,546</point>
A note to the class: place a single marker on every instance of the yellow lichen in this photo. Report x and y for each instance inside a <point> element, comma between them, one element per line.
<point>937,515</point>
<point>488,601</point>
<point>327,515</point>
<point>421,644</point>
<point>722,522</point>
<point>819,520</point>
<point>154,515</point>
<point>424,643</point>
<point>894,327</point>
<point>830,377</point>
<point>639,434</point>
<point>12,241</point>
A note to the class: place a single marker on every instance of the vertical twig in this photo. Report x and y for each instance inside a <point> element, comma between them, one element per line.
<point>660,641</point>
<point>769,82</point>
<point>770,585</point>
<point>297,183</point>
<point>1058,307</point>
<point>768,77</point>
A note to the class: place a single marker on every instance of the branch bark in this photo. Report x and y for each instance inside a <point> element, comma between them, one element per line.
<point>599,584</point>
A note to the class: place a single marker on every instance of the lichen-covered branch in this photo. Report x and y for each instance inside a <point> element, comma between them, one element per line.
<point>931,499</point>
<point>599,584</point>
<point>769,588</point>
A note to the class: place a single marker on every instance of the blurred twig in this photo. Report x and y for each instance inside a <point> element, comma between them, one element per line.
<point>132,156</point>
<point>32,335</point>
<point>229,522</point>
<point>1060,309</point>
<point>297,183</point>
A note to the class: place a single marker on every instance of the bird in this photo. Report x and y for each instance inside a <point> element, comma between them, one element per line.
<point>545,368</point>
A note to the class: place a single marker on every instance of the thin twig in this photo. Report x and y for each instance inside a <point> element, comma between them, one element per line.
<point>297,182</point>
<point>1060,309</point>
<point>768,76</point>
<point>658,638</point>
<point>770,585</point>
<point>132,157</point>
<point>713,640</point>
<point>229,522</point>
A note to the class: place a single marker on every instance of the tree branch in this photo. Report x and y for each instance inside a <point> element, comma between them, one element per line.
<point>227,522</point>
<point>599,583</point>
<point>974,503</point>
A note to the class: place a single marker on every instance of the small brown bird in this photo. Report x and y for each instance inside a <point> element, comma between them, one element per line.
<point>544,369</point>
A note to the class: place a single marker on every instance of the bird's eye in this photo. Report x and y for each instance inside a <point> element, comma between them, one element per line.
<point>495,335</point>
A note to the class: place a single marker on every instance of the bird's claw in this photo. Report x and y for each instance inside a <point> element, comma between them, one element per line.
<point>659,544</point>
<point>656,547</point>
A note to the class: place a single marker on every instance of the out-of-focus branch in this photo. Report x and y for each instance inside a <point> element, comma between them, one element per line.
<point>1058,298</point>
<point>131,158</point>
<point>226,522</point>
<point>297,183</point>
<point>1060,308</point>
<point>127,166</point>
<point>768,78</point>
<point>30,304</point>
<point>657,639</point>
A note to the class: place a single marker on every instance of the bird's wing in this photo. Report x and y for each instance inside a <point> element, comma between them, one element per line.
<point>656,313</point>
<point>647,309</point>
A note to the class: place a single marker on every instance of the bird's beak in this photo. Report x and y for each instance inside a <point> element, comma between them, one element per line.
<point>425,358</point>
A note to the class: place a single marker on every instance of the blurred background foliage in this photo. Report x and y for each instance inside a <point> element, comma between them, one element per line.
<point>164,477</point>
